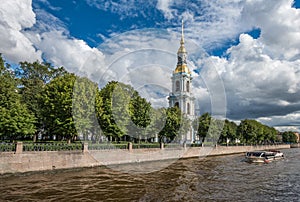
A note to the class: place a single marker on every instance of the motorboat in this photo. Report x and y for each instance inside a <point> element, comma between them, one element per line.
<point>263,156</point>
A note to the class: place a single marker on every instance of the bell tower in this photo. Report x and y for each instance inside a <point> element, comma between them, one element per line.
<point>181,95</point>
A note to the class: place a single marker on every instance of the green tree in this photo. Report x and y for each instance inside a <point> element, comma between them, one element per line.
<point>214,132</point>
<point>229,132</point>
<point>203,127</point>
<point>113,111</point>
<point>247,131</point>
<point>32,79</point>
<point>269,134</point>
<point>289,137</point>
<point>16,122</point>
<point>185,127</point>
<point>254,132</point>
<point>140,115</point>
<point>174,121</point>
<point>157,123</point>
<point>123,113</point>
<point>99,112</point>
<point>56,102</point>
<point>83,108</point>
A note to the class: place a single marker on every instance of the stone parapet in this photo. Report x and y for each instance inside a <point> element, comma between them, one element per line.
<point>11,162</point>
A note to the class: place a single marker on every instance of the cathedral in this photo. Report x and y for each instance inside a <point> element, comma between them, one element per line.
<point>181,95</point>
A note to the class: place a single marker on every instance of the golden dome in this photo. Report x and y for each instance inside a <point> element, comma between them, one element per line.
<point>182,69</point>
<point>181,49</point>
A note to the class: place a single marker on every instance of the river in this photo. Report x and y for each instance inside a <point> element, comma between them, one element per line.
<point>221,178</point>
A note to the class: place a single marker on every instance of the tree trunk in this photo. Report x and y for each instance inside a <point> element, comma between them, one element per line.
<point>35,137</point>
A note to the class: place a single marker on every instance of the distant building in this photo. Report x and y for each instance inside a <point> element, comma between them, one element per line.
<point>181,95</point>
<point>297,136</point>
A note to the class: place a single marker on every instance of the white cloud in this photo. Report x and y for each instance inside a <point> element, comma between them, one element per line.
<point>210,23</point>
<point>46,3</point>
<point>261,76</point>
<point>74,54</point>
<point>46,22</point>
<point>257,85</point>
<point>286,122</point>
<point>15,16</point>
<point>278,22</point>
<point>143,59</point>
<point>48,35</point>
<point>124,8</point>
<point>164,6</point>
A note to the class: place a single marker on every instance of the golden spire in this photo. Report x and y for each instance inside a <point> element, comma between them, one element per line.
<point>182,35</point>
<point>182,48</point>
<point>182,55</point>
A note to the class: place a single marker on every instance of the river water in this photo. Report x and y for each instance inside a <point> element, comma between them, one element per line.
<point>222,178</point>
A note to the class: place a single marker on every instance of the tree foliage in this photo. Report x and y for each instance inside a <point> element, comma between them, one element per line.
<point>289,137</point>
<point>209,129</point>
<point>56,102</point>
<point>203,127</point>
<point>85,93</point>
<point>32,78</point>
<point>122,112</point>
<point>36,97</point>
<point>253,132</point>
<point>229,132</point>
<point>248,131</point>
<point>16,122</point>
<point>140,113</point>
<point>112,112</point>
<point>176,125</point>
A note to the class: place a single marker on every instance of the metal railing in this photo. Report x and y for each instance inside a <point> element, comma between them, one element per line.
<point>51,146</point>
<point>78,146</point>
<point>7,147</point>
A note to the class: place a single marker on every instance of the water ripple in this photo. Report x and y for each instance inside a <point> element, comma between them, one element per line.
<point>224,178</point>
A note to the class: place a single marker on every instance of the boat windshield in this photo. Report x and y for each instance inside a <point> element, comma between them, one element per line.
<point>269,154</point>
<point>256,154</point>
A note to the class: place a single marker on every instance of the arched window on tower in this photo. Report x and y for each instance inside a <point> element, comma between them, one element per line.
<point>188,110</point>
<point>177,85</point>
<point>176,104</point>
<point>188,86</point>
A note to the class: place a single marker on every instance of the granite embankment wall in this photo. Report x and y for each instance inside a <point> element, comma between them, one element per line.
<point>13,162</point>
<point>295,145</point>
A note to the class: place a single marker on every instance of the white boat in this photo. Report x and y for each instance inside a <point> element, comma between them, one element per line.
<point>263,156</point>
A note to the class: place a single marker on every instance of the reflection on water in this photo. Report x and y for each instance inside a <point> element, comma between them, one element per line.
<point>224,178</point>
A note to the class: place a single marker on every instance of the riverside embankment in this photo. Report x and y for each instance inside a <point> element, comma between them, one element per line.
<point>20,161</point>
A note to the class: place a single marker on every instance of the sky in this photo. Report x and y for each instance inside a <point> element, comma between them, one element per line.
<point>244,54</point>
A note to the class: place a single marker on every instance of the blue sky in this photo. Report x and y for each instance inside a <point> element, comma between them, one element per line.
<point>86,21</point>
<point>90,22</point>
<point>245,51</point>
